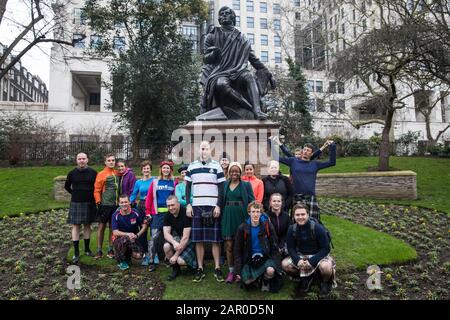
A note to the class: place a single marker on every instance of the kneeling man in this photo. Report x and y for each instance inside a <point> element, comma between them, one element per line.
<point>308,246</point>
<point>179,249</point>
<point>127,227</point>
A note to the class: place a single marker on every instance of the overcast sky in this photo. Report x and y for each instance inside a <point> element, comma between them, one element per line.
<point>37,60</point>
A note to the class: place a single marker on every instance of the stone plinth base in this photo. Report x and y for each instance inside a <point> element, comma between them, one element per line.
<point>242,140</point>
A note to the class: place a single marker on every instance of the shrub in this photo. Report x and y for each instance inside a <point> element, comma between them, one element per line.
<point>357,148</point>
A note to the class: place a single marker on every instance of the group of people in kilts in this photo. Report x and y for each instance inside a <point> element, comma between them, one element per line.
<point>265,228</point>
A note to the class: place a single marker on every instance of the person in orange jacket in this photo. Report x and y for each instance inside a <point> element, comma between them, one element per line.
<point>106,194</point>
<point>257,184</point>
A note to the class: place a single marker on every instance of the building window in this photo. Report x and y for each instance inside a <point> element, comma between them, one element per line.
<point>238,21</point>
<point>277,41</point>
<point>263,7</point>
<point>264,56</point>
<point>341,106</point>
<point>78,40</point>
<point>264,40</point>
<point>319,86</point>
<point>119,24</point>
<point>297,16</point>
<point>311,105</point>
<point>250,22</point>
<point>340,87</point>
<point>276,8</point>
<point>119,43</point>
<point>332,87</point>
<point>310,85</point>
<point>191,34</point>
<point>297,3</point>
<point>263,23</point>
<point>277,24</point>
<point>364,25</point>
<point>251,38</point>
<point>278,57</point>
<point>320,106</point>
<point>95,41</point>
<point>333,106</point>
<point>236,5</point>
<point>79,18</point>
<point>250,7</point>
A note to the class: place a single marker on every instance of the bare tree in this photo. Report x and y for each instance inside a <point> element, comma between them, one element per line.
<point>46,25</point>
<point>2,8</point>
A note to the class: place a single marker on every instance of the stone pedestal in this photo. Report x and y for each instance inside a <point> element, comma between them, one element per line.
<point>242,140</point>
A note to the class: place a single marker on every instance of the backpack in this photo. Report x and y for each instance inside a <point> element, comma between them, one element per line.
<point>312,224</point>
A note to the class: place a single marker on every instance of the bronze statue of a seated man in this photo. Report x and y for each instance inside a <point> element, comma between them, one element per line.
<point>228,83</point>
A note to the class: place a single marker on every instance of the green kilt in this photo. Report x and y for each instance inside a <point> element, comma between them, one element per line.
<point>251,273</point>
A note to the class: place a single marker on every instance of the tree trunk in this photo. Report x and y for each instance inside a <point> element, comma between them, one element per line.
<point>431,142</point>
<point>2,8</point>
<point>136,146</point>
<point>385,145</point>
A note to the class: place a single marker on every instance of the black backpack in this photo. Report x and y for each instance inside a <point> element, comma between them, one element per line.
<point>312,224</point>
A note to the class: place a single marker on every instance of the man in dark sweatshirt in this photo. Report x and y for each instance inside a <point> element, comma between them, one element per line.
<point>308,246</point>
<point>304,174</point>
<point>80,184</point>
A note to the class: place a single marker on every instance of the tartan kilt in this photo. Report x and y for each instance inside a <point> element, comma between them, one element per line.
<point>82,213</point>
<point>124,247</point>
<point>311,203</point>
<point>200,233</point>
<point>250,273</point>
<point>188,254</point>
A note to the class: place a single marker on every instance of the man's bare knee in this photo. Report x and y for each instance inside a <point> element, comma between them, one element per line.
<point>181,262</point>
<point>326,268</point>
<point>270,272</point>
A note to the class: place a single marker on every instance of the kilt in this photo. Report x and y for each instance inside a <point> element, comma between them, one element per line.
<point>124,247</point>
<point>201,233</point>
<point>141,207</point>
<point>188,254</point>
<point>250,273</point>
<point>310,202</point>
<point>328,258</point>
<point>82,213</point>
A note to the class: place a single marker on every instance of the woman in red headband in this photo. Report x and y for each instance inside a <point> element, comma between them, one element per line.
<point>156,207</point>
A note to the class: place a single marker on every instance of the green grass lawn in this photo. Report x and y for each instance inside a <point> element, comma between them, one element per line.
<point>433,177</point>
<point>356,247</point>
<point>30,189</point>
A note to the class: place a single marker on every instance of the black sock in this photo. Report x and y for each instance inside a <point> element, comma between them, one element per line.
<point>76,245</point>
<point>86,245</point>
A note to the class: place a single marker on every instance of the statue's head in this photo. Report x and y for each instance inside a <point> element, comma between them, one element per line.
<point>227,16</point>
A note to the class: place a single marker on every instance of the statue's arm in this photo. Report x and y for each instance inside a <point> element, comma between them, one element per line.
<point>255,62</point>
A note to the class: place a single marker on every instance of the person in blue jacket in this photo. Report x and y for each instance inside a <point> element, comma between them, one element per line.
<point>304,174</point>
<point>140,191</point>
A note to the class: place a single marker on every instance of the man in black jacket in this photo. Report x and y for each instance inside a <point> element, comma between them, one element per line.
<point>309,246</point>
